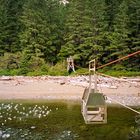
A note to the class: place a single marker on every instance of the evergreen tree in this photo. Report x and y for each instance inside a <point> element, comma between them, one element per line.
<point>47,31</point>
<point>73,30</point>
<point>40,34</point>
<point>99,28</point>
<point>84,38</point>
<point>119,36</point>
<point>134,36</point>
<point>2,23</point>
<point>10,26</point>
<point>134,26</point>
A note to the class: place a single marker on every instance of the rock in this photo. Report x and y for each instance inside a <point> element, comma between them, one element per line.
<point>5,136</point>
<point>0,133</point>
<point>33,127</point>
<point>62,83</point>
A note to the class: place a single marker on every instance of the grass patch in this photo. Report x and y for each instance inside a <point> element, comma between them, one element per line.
<point>59,71</point>
<point>121,73</point>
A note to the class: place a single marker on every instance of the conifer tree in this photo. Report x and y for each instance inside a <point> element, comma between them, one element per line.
<point>85,24</point>
<point>10,26</point>
<point>40,34</point>
<point>46,31</point>
<point>73,29</point>
<point>134,27</point>
<point>119,36</point>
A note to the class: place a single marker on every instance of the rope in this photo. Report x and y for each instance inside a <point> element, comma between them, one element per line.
<point>129,55</point>
<point>124,105</point>
<point>119,79</point>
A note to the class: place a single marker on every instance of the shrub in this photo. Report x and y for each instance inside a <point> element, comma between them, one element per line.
<point>10,61</point>
<point>58,69</point>
<point>4,72</point>
<point>81,71</point>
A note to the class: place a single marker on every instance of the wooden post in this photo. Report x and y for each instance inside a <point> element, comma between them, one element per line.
<point>70,64</point>
<point>92,67</point>
<point>95,77</point>
<point>90,77</point>
<point>90,80</point>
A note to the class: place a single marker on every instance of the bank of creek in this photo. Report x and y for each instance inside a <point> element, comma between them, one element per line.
<point>30,109</point>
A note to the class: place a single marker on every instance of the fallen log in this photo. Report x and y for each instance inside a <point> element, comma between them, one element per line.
<point>6,78</point>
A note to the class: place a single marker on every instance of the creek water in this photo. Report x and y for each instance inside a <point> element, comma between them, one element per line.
<point>31,120</point>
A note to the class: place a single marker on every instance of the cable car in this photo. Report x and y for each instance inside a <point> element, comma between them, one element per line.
<point>93,108</point>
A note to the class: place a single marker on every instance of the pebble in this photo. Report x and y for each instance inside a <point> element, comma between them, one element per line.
<point>33,127</point>
<point>0,133</point>
<point>127,100</point>
<point>5,136</point>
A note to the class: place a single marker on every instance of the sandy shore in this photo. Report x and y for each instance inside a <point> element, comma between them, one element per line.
<point>31,88</point>
<point>68,88</point>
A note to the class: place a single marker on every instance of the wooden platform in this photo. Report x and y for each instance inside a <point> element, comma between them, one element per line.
<point>93,108</point>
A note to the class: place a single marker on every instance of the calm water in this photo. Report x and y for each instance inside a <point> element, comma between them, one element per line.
<point>59,121</point>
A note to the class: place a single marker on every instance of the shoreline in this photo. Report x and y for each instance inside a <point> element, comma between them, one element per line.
<point>55,101</point>
<point>68,88</point>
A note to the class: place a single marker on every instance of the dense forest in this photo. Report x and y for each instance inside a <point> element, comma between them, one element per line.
<point>38,35</point>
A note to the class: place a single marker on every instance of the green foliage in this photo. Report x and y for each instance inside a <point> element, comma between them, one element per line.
<point>12,72</point>
<point>120,73</point>
<point>4,72</point>
<point>40,20</point>
<point>39,33</point>
<point>10,26</point>
<point>58,69</point>
<point>81,71</point>
<point>119,67</point>
<point>84,38</point>
<point>10,61</point>
<point>36,73</point>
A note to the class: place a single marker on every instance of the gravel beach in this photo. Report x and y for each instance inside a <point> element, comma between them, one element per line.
<point>124,90</point>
